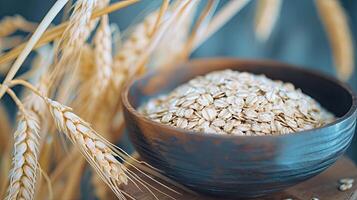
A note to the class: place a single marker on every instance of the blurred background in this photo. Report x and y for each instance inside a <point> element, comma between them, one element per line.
<point>298,37</point>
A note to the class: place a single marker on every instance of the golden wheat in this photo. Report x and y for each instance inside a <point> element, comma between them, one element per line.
<point>77,31</point>
<point>91,145</point>
<point>11,24</point>
<point>172,44</point>
<point>56,32</point>
<point>25,160</point>
<point>267,14</point>
<point>221,18</point>
<point>335,21</point>
<point>102,58</point>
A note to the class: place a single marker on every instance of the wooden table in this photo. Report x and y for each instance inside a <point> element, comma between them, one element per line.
<point>323,186</point>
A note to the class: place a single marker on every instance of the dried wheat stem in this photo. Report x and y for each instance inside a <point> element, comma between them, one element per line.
<point>11,24</point>
<point>57,31</point>
<point>163,8</point>
<point>25,159</point>
<point>142,60</point>
<point>339,34</point>
<point>39,65</point>
<point>267,14</point>
<point>34,103</point>
<point>200,26</point>
<point>32,42</point>
<point>170,49</point>
<point>222,17</point>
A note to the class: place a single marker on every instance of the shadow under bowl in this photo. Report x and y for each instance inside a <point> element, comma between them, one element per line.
<point>240,166</point>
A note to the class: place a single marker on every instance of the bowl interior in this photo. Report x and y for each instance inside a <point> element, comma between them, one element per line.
<point>330,93</point>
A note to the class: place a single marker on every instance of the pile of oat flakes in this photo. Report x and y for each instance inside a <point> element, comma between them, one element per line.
<point>239,103</point>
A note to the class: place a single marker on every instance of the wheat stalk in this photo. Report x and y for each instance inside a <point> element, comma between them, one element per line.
<point>223,16</point>
<point>199,28</point>
<point>11,24</point>
<point>339,35</point>
<point>57,31</point>
<point>31,43</point>
<point>267,14</point>
<point>172,44</point>
<point>34,103</point>
<point>25,165</point>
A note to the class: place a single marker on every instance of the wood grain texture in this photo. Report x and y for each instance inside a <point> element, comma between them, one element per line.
<point>323,186</point>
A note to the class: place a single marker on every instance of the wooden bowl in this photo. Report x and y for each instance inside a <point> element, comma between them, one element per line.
<point>240,166</point>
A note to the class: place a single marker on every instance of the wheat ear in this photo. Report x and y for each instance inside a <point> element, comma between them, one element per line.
<point>103,58</point>
<point>93,148</point>
<point>99,153</point>
<point>69,49</point>
<point>78,29</point>
<point>25,159</point>
<point>267,14</point>
<point>335,21</point>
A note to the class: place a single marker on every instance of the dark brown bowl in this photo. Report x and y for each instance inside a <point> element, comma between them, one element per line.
<point>240,166</point>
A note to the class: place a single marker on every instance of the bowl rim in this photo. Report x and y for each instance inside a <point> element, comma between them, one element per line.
<point>271,63</point>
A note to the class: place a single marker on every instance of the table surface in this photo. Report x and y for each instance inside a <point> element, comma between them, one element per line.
<point>323,186</point>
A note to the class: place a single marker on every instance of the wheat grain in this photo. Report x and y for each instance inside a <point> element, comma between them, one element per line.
<point>94,149</point>
<point>267,14</point>
<point>11,24</point>
<point>25,160</point>
<point>335,21</point>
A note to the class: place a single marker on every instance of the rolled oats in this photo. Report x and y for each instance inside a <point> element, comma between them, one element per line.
<point>238,103</point>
